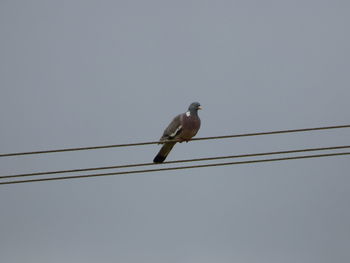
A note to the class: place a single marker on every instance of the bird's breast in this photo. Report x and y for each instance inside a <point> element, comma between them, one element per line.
<point>190,126</point>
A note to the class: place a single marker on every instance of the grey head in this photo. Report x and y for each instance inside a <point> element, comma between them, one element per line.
<point>194,107</point>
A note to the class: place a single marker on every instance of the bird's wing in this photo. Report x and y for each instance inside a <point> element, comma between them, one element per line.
<point>173,129</point>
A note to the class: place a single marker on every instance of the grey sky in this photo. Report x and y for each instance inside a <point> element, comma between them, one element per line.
<point>80,73</point>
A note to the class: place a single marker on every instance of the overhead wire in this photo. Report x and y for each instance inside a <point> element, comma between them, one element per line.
<point>174,162</point>
<point>176,168</point>
<point>157,142</point>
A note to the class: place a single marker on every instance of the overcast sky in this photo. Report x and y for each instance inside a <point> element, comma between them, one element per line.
<point>82,73</point>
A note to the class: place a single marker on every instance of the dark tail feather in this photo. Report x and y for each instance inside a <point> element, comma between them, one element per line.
<point>163,153</point>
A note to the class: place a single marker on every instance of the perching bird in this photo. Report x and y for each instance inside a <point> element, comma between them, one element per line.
<point>183,127</point>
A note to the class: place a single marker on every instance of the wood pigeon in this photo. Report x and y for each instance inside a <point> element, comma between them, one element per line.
<point>182,128</point>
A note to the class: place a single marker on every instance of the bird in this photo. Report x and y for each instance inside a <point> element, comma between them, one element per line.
<point>182,128</point>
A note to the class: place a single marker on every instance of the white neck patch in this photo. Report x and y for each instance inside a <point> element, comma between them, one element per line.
<point>188,114</point>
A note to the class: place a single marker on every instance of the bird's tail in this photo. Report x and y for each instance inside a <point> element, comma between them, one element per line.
<point>164,151</point>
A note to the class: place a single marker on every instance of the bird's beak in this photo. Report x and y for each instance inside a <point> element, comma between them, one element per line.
<point>200,107</point>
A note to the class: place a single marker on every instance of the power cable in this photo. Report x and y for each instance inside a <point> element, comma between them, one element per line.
<point>157,142</point>
<point>176,168</point>
<point>173,162</point>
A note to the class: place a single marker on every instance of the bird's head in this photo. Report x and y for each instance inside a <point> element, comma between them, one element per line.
<point>195,106</point>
